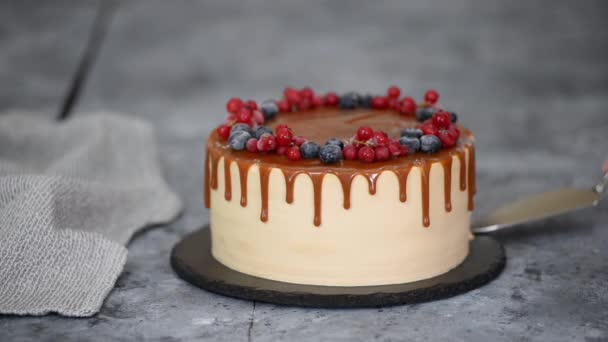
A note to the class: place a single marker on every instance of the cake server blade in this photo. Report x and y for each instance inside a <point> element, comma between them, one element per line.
<point>539,206</point>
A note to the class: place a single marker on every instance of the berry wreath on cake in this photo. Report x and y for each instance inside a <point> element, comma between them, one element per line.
<point>350,190</point>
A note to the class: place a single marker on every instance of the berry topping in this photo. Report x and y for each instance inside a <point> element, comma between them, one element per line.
<point>304,104</point>
<point>411,132</point>
<point>454,117</point>
<point>382,153</point>
<point>292,96</point>
<point>428,128</point>
<point>241,127</point>
<point>380,138</point>
<point>270,109</point>
<point>404,151</point>
<point>393,92</point>
<point>267,143</point>
<point>365,101</point>
<point>252,145</point>
<point>299,140</point>
<point>262,130</point>
<point>238,140</point>
<point>430,144</point>
<point>350,152</point>
<point>307,93</point>
<point>283,106</point>
<point>257,117</point>
<point>251,105</point>
<point>330,154</point>
<point>310,150</point>
<point>423,114</point>
<point>234,105</point>
<point>447,139</point>
<point>408,106</point>
<point>243,115</point>
<point>335,141</point>
<point>367,154</point>
<point>431,96</point>
<point>281,150</point>
<point>332,99</point>
<point>284,136</point>
<point>318,101</point>
<point>442,119</point>
<point>365,133</point>
<point>394,148</point>
<point>349,101</point>
<point>393,104</point>
<point>293,153</point>
<point>280,127</point>
<point>380,102</point>
<point>412,144</point>
<point>223,131</point>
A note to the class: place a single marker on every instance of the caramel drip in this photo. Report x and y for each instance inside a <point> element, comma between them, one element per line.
<point>207,175</point>
<point>317,183</point>
<point>346,180</point>
<point>227,180</point>
<point>214,161</point>
<point>243,171</point>
<point>463,170</point>
<point>290,179</point>
<point>425,170</point>
<point>264,175</point>
<point>447,183</point>
<point>471,173</point>
<point>372,180</point>
<point>402,178</point>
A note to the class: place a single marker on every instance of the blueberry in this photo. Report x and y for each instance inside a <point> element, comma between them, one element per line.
<point>270,109</point>
<point>330,154</point>
<point>454,117</point>
<point>430,143</point>
<point>349,101</point>
<point>335,141</point>
<point>238,140</point>
<point>261,130</point>
<point>241,127</point>
<point>424,114</point>
<point>365,101</point>
<point>412,144</point>
<point>310,150</point>
<point>411,132</point>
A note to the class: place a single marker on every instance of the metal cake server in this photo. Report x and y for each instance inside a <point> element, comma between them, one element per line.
<point>539,206</point>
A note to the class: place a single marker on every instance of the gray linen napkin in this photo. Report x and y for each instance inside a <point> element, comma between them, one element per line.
<point>71,196</point>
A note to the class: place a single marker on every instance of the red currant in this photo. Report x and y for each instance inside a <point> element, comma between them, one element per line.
<point>431,96</point>
<point>393,104</point>
<point>380,102</point>
<point>267,143</point>
<point>304,104</point>
<point>293,153</point>
<point>251,104</point>
<point>306,93</point>
<point>283,106</point>
<point>404,151</point>
<point>380,138</point>
<point>408,106</point>
<point>280,127</point>
<point>224,131</point>
<point>394,148</point>
<point>442,119</point>
<point>318,101</point>
<point>258,117</point>
<point>349,152</point>
<point>299,140</point>
<point>447,139</point>
<point>393,92</point>
<point>382,153</point>
<point>252,145</point>
<point>428,128</point>
<point>284,137</point>
<point>234,105</point>
<point>331,99</point>
<point>244,115</point>
<point>292,96</point>
<point>364,133</point>
<point>366,154</point>
<point>281,150</point>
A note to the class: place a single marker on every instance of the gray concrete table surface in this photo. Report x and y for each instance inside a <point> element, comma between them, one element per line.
<point>529,78</point>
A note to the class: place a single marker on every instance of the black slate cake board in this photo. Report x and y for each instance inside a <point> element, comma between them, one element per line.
<point>192,260</point>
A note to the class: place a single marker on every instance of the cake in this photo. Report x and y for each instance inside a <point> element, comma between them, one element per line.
<point>350,190</point>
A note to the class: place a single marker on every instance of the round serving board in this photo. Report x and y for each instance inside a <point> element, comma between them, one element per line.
<point>192,260</point>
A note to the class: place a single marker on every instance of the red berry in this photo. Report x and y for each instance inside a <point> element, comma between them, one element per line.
<point>258,117</point>
<point>349,152</point>
<point>331,99</point>
<point>252,145</point>
<point>453,129</point>
<point>283,106</point>
<point>408,106</point>
<point>447,139</point>
<point>393,92</point>
<point>393,104</point>
<point>299,140</point>
<point>380,138</point>
<point>404,151</point>
<point>364,133</point>
<point>281,150</point>
<point>306,93</point>
<point>293,153</point>
<point>284,137</point>
<point>356,142</point>
<point>431,96</point>
<point>394,148</point>
<point>280,127</point>
<point>267,143</point>
<point>224,131</point>
<point>366,154</point>
<point>251,104</point>
<point>234,105</point>
<point>428,128</point>
<point>382,153</point>
<point>318,101</point>
<point>292,96</point>
<point>304,104</point>
<point>442,119</point>
<point>244,115</point>
<point>379,102</point>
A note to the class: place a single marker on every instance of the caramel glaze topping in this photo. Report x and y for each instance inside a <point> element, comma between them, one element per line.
<point>309,125</point>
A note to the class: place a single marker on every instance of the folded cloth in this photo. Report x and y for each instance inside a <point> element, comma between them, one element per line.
<point>71,196</point>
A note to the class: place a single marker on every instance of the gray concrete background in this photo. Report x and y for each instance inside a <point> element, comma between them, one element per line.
<point>529,78</point>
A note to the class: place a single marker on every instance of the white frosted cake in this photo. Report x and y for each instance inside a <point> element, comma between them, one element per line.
<point>344,190</point>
